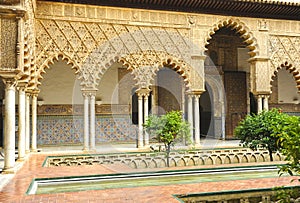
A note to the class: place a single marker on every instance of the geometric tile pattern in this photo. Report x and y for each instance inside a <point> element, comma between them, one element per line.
<point>53,130</point>
<point>115,128</point>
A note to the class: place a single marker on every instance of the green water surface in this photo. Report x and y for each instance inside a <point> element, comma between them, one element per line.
<point>72,186</point>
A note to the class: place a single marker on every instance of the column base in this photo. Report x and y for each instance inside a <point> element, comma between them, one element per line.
<point>93,150</point>
<point>85,150</point>
<point>21,159</point>
<point>195,146</point>
<point>9,171</point>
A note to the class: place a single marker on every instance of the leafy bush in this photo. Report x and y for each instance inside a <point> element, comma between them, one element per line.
<point>289,144</point>
<point>260,130</point>
<point>168,129</point>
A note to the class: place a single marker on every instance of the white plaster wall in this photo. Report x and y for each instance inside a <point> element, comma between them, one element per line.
<point>287,91</point>
<point>108,86</point>
<point>60,85</point>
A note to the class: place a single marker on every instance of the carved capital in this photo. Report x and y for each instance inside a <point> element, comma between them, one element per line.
<point>9,82</point>
<point>143,92</point>
<point>89,93</point>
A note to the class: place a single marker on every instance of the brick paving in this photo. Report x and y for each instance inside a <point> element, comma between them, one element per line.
<point>15,190</point>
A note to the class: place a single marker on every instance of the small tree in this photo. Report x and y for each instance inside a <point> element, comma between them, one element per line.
<point>289,144</point>
<point>260,130</point>
<point>168,129</point>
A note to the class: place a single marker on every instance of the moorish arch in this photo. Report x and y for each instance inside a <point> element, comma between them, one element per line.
<point>51,60</point>
<point>239,27</point>
<point>229,46</point>
<point>216,92</point>
<point>285,88</point>
<point>291,69</point>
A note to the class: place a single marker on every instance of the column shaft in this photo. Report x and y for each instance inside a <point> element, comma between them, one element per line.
<point>266,102</point>
<point>86,123</point>
<point>34,119</point>
<point>9,126</point>
<point>259,104</point>
<point>27,123</point>
<point>140,120</point>
<point>146,113</point>
<point>21,126</point>
<point>190,116</point>
<point>92,123</point>
<point>197,120</point>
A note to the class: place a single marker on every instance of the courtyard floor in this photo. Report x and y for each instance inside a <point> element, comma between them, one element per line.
<point>14,187</point>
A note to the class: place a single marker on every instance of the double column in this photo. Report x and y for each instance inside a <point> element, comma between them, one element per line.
<point>194,117</point>
<point>89,137</point>
<point>262,102</point>
<point>143,112</point>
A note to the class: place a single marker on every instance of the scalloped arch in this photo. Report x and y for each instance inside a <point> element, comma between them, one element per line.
<point>241,28</point>
<point>293,70</point>
<point>166,60</point>
<point>51,60</point>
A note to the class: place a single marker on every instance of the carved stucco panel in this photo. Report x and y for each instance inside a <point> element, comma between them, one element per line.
<point>94,47</point>
<point>9,28</point>
<point>284,49</point>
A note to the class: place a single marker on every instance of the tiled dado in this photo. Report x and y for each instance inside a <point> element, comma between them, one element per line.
<point>53,130</point>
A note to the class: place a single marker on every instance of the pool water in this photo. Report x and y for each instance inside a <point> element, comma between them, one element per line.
<point>101,182</point>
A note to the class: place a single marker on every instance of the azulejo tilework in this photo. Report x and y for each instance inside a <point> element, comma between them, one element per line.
<point>52,130</point>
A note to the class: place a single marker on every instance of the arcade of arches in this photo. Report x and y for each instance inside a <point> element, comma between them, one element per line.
<point>86,74</point>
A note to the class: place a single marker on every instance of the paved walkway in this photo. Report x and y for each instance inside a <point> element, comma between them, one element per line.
<point>15,190</point>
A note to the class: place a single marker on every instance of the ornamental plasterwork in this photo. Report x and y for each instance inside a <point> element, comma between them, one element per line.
<point>9,28</point>
<point>29,40</point>
<point>285,50</point>
<point>93,47</point>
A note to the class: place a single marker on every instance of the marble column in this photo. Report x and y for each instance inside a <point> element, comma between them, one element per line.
<point>27,123</point>
<point>140,120</point>
<point>266,102</point>
<point>259,103</point>
<point>86,123</point>
<point>9,125</point>
<point>34,123</point>
<point>92,122</point>
<point>190,116</point>
<point>21,125</point>
<point>146,114</point>
<point>197,119</point>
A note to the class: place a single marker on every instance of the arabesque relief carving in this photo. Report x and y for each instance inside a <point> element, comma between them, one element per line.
<point>285,53</point>
<point>94,47</point>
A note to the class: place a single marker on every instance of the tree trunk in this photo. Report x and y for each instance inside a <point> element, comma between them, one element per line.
<point>168,154</point>
<point>271,154</point>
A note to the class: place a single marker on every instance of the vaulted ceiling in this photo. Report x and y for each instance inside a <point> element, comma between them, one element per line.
<point>278,9</point>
